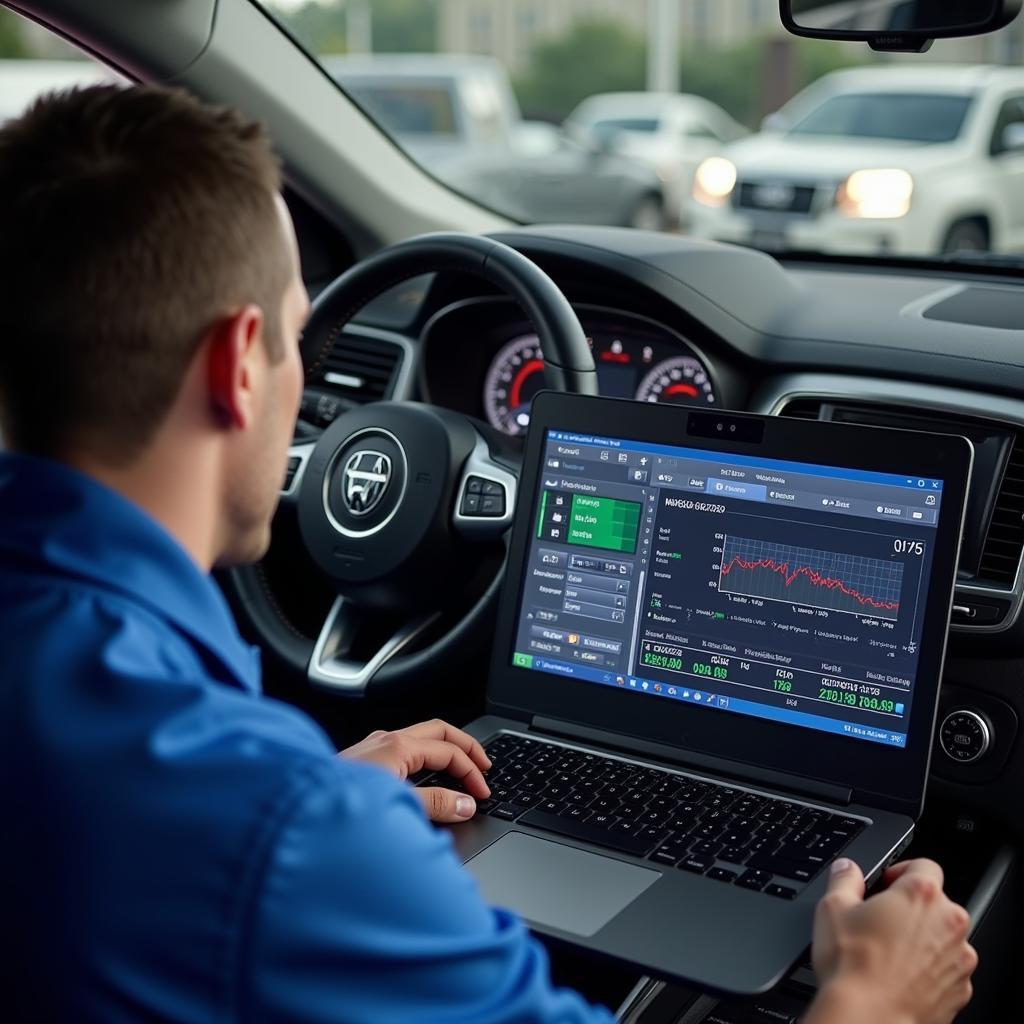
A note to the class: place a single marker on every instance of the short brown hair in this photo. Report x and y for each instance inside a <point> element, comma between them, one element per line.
<point>131,219</point>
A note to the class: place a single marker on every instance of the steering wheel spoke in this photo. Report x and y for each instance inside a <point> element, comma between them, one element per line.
<point>485,497</point>
<point>333,664</point>
<point>298,458</point>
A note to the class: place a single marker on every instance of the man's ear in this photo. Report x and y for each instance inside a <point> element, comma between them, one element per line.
<point>233,347</point>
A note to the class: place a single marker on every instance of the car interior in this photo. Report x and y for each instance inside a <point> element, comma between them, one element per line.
<point>451,325</point>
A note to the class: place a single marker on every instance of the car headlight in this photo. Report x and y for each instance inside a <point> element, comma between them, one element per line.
<point>714,181</point>
<point>878,194</point>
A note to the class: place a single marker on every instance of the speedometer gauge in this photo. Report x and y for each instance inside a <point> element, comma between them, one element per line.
<point>681,380</point>
<point>515,376</point>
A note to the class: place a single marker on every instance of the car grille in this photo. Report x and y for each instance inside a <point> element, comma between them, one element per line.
<point>778,197</point>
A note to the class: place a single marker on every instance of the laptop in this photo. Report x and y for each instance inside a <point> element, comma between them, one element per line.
<point>715,669</point>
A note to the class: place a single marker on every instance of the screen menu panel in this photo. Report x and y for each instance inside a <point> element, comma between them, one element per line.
<point>783,590</point>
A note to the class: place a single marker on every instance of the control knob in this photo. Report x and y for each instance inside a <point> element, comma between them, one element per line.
<point>965,736</point>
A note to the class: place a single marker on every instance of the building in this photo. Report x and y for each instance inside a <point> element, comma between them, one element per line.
<point>1003,47</point>
<point>509,29</point>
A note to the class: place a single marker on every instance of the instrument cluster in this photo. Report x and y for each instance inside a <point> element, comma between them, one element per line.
<point>629,365</point>
<point>493,370</point>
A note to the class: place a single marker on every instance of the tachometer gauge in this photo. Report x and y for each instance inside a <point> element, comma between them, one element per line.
<point>515,376</point>
<point>681,380</point>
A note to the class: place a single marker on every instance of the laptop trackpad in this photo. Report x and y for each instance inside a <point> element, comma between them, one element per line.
<point>557,886</point>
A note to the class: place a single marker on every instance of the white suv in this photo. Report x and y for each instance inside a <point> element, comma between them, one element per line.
<point>912,161</point>
<point>671,133</point>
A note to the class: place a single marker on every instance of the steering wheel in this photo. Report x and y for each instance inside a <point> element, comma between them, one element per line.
<point>398,502</point>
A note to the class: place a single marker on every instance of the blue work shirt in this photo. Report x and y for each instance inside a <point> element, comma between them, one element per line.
<point>177,847</point>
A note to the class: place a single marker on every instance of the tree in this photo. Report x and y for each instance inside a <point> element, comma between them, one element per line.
<point>12,40</point>
<point>734,78</point>
<point>602,56</point>
<point>594,56</point>
<point>398,26</point>
<point>404,26</point>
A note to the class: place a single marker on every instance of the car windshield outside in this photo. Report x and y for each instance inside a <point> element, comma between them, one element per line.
<point>906,117</point>
<point>698,117</point>
<point>409,108</point>
<point>625,124</point>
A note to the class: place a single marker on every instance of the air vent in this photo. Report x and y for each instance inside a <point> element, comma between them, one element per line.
<point>362,369</point>
<point>802,409</point>
<point>1004,544</point>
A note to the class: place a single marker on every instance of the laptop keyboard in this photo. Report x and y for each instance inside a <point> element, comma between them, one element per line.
<point>731,835</point>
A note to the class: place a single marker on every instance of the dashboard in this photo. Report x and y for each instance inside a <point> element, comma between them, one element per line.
<point>671,319</point>
<point>636,357</point>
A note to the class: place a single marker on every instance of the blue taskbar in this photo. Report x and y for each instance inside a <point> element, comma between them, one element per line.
<point>708,698</point>
<point>786,591</point>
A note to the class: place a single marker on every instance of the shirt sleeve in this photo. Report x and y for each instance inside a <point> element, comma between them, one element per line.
<point>363,913</point>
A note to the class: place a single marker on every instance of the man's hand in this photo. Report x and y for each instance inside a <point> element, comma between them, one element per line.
<point>440,747</point>
<point>900,957</point>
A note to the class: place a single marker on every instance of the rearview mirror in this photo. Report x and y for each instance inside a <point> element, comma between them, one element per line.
<point>896,25</point>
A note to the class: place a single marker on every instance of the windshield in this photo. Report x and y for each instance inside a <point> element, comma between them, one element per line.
<point>417,108</point>
<point>906,117</point>
<point>569,111</point>
<point>625,124</point>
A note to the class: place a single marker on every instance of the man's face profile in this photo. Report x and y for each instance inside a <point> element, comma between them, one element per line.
<point>259,460</point>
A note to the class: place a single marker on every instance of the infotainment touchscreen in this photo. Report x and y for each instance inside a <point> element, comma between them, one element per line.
<point>746,586</point>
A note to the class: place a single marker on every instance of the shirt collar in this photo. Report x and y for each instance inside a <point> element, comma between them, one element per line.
<point>56,519</point>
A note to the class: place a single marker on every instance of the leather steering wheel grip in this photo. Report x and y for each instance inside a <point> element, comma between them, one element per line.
<point>568,361</point>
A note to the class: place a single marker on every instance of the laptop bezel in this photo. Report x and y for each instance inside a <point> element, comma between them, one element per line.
<point>893,778</point>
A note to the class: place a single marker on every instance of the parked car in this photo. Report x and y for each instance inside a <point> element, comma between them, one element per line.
<point>436,106</point>
<point>459,118</point>
<point>670,133</point>
<point>911,160</point>
<point>554,178</point>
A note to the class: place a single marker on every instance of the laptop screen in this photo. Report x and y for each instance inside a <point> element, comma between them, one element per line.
<point>746,586</point>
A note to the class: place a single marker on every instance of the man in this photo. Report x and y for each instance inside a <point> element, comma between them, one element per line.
<point>177,847</point>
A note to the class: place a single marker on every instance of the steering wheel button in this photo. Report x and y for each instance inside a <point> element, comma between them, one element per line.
<point>493,487</point>
<point>475,485</point>
<point>293,467</point>
<point>492,505</point>
<point>471,504</point>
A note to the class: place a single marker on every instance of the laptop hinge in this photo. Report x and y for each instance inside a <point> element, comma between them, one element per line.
<point>752,774</point>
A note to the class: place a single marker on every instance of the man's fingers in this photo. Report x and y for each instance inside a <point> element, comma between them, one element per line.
<point>437,729</point>
<point>444,805</point>
<point>439,756</point>
<point>921,875</point>
<point>898,870</point>
<point>845,885</point>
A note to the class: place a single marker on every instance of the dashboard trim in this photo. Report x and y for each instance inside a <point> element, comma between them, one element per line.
<point>919,307</point>
<point>772,397</point>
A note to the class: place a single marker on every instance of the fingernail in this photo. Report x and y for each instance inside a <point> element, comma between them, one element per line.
<point>841,865</point>
<point>465,806</point>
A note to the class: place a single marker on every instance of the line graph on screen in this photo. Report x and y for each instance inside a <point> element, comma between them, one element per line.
<point>831,580</point>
